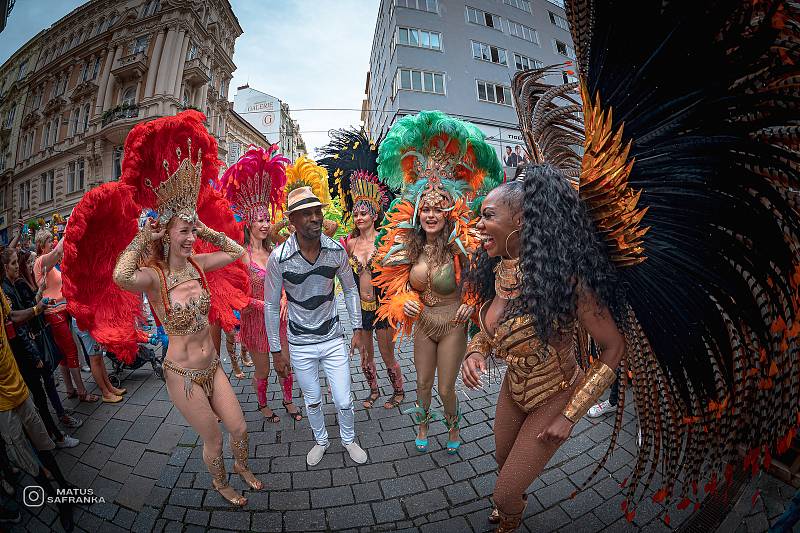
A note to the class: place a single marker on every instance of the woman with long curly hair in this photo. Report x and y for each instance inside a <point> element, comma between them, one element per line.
<point>540,273</point>
<point>423,250</point>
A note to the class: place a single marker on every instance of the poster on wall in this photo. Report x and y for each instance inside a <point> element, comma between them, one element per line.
<point>261,110</point>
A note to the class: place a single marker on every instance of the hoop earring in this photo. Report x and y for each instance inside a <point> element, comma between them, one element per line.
<point>165,242</point>
<point>508,237</point>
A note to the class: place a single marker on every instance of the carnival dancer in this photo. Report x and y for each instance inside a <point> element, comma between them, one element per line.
<point>683,235</point>
<point>169,163</point>
<point>438,160</point>
<point>351,158</point>
<point>254,186</point>
<point>305,266</point>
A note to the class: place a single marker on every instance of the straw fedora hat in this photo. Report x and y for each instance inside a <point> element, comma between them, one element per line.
<point>301,198</point>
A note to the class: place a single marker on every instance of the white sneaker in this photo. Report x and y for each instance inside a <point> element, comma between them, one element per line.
<point>68,442</point>
<point>602,408</point>
<point>85,368</point>
<point>356,452</point>
<point>315,454</point>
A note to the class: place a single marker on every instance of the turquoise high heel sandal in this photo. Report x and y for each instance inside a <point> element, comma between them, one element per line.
<point>421,416</point>
<point>453,445</point>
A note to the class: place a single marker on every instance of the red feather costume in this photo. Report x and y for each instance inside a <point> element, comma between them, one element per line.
<point>105,221</point>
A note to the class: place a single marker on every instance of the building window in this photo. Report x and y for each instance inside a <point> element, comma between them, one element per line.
<point>101,26</point>
<point>559,21</point>
<point>421,81</point>
<point>129,96</point>
<point>85,71</point>
<point>24,189</point>
<point>186,98</point>
<point>112,20</point>
<point>46,186</point>
<point>140,44</point>
<point>489,53</point>
<point>61,86</point>
<point>86,112</point>
<point>559,3</point>
<point>90,31</point>
<point>523,32</point>
<point>568,78</point>
<point>37,98</point>
<point>493,92</point>
<point>55,129</point>
<point>525,63</point>
<point>563,49</point>
<point>191,53</point>
<point>10,116</point>
<point>74,41</point>
<point>75,120</point>
<point>75,175</point>
<point>45,135</point>
<point>431,6</point>
<point>23,67</point>
<point>490,20</point>
<point>117,162</point>
<point>27,145</point>
<point>96,68</point>
<point>419,38</point>
<point>524,5</point>
<point>150,8</point>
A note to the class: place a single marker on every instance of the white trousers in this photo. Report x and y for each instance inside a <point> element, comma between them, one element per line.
<point>335,362</point>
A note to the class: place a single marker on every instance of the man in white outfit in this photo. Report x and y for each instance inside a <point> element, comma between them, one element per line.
<point>305,266</point>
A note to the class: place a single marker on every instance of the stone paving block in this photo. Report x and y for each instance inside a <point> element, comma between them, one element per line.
<point>168,476</point>
<point>483,464</point>
<point>553,519</point>
<point>401,486</point>
<point>350,516</point>
<point>197,517</point>
<point>389,452</point>
<point>143,429</point>
<point>129,412</point>
<point>413,465</point>
<point>82,475</point>
<point>452,525</point>
<point>388,511</point>
<point>134,492</point>
<point>436,478</point>
<point>460,492</point>
<point>186,497</point>
<point>96,455</point>
<point>425,503</point>
<point>374,472</point>
<point>288,464</point>
<point>296,500</point>
<point>165,439</point>
<point>269,522</point>
<point>310,520</point>
<point>171,512</point>
<point>151,465</point>
<point>158,496</point>
<point>128,453</point>
<point>235,520</point>
<point>106,488</point>
<point>558,491</point>
<point>484,485</point>
<point>179,456</point>
<point>367,492</point>
<point>331,497</point>
<point>345,476</point>
<point>311,480</point>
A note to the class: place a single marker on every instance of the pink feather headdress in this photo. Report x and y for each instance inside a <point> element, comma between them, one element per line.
<point>254,184</point>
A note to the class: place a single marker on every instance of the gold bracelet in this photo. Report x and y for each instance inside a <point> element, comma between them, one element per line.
<point>479,344</point>
<point>221,241</point>
<point>35,310</point>
<point>128,261</point>
<point>599,377</point>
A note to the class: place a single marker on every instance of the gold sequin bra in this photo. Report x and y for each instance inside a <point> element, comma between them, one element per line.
<point>189,317</point>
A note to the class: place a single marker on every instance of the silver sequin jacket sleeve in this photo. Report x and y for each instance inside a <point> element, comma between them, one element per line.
<point>273,286</point>
<point>352,299</point>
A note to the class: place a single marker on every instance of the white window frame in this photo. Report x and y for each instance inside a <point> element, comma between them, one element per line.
<point>507,97</point>
<point>569,51</point>
<point>75,175</point>
<point>422,82</point>
<point>192,51</point>
<point>486,50</point>
<point>23,67</point>
<point>140,44</point>
<point>523,59</point>
<point>96,68</point>
<point>47,185</point>
<point>419,5</point>
<point>124,99</point>
<point>558,20</point>
<point>87,110</point>
<point>45,134</point>
<point>24,194</point>
<point>85,70</point>
<point>420,38</point>
<point>523,5</point>
<point>559,3</point>
<point>12,111</point>
<point>74,121</point>
<point>520,30</point>
<point>480,18</point>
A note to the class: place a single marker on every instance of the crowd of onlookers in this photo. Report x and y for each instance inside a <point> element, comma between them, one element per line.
<point>39,338</point>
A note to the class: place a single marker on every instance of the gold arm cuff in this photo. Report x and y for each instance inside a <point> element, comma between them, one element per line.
<point>599,377</point>
<point>221,241</point>
<point>128,261</point>
<point>479,344</point>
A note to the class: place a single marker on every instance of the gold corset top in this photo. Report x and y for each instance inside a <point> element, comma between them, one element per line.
<point>536,369</point>
<point>184,318</point>
<point>433,286</point>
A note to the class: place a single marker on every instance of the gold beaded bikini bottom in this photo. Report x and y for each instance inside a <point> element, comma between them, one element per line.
<point>203,377</point>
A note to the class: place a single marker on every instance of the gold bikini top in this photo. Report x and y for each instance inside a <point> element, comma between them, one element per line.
<point>189,317</point>
<point>431,281</point>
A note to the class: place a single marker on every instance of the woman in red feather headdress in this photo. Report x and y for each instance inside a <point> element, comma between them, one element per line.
<point>168,165</point>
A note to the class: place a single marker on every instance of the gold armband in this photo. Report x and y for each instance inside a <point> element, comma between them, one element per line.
<point>128,260</point>
<point>221,241</point>
<point>480,344</point>
<point>597,380</point>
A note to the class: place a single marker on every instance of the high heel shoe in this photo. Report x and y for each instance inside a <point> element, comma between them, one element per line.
<point>219,480</point>
<point>241,450</point>
<point>421,416</point>
<point>452,422</point>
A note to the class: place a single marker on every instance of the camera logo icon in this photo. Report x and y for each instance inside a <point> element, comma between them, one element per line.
<point>33,496</point>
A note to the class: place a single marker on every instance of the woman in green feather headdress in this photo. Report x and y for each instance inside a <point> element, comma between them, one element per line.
<point>441,164</point>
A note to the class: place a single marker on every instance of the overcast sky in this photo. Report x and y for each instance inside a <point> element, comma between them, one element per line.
<point>307,53</point>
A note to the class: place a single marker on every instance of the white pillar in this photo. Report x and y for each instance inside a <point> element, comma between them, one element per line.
<point>172,68</point>
<point>104,78</point>
<point>152,68</point>
<point>181,65</point>
<point>164,62</point>
<point>111,82</point>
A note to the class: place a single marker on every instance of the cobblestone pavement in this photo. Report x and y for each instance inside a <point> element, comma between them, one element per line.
<point>144,459</point>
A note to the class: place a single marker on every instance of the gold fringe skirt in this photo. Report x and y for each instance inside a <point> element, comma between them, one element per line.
<point>203,377</point>
<point>437,322</point>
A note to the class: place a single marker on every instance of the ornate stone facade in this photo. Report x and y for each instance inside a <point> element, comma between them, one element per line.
<point>87,80</point>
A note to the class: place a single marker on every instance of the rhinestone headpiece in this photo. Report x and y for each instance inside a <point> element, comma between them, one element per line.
<point>177,195</point>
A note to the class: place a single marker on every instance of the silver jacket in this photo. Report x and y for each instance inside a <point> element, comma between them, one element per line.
<point>310,291</point>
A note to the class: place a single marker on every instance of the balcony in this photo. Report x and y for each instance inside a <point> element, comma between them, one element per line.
<point>82,90</point>
<point>130,67</point>
<point>54,105</point>
<point>196,72</point>
<point>119,113</point>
